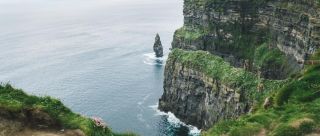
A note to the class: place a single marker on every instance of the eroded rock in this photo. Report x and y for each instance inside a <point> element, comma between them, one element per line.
<point>198,99</point>
<point>157,47</point>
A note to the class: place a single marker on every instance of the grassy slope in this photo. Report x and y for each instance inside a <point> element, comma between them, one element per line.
<point>296,105</point>
<point>190,35</point>
<point>295,102</point>
<point>217,68</point>
<point>15,100</point>
<point>294,112</point>
<point>265,56</point>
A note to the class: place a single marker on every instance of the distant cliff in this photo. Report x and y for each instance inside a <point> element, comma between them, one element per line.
<point>234,29</point>
<point>251,52</point>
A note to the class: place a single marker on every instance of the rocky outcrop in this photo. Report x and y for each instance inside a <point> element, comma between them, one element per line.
<point>294,26</point>
<point>272,39</point>
<point>198,99</point>
<point>202,89</point>
<point>233,29</point>
<point>157,47</point>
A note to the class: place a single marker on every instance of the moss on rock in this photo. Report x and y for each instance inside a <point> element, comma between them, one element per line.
<point>295,111</point>
<point>215,67</point>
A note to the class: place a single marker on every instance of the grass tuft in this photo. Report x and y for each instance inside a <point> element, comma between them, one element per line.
<point>15,100</point>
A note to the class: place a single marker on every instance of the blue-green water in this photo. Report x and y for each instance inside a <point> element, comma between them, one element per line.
<point>94,55</point>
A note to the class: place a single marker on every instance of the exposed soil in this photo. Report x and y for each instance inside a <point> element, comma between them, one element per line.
<point>16,128</point>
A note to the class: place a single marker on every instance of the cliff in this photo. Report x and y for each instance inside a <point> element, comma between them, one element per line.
<point>27,115</point>
<point>202,89</point>
<point>234,29</point>
<point>293,111</point>
<point>253,70</point>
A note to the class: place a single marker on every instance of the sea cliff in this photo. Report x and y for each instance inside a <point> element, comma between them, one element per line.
<point>237,59</point>
<point>207,90</point>
<point>234,29</point>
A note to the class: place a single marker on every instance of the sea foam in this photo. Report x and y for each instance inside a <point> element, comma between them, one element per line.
<point>174,121</point>
<point>151,59</point>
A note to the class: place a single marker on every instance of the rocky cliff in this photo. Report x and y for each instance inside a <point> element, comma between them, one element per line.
<point>207,90</point>
<point>157,47</point>
<point>267,40</point>
<point>233,29</point>
<point>193,96</point>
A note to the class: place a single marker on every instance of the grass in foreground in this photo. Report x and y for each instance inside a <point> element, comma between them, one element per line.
<point>15,100</point>
<point>294,112</point>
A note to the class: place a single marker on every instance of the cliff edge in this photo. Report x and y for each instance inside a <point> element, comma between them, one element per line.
<point>27,115</point>
<point>243,67</point>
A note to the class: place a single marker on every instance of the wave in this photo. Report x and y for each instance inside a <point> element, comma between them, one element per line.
<point>174,121</point>
<point>151,59</point>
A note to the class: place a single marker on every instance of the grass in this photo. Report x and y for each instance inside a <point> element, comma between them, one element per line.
<point>15,100</point>
<point>245,82</point>
<point>296,101</point>
<point>295,110</point>
<point>190,34</point>
<point>271,56</point>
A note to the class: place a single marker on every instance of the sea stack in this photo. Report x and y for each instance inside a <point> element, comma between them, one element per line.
<point>157,47</point>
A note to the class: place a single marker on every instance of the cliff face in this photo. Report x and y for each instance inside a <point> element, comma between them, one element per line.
<point>233,29</point>
<point>202,89</point>
<point>271,39</point>
<point>199,99</point>
<point>294,26</point>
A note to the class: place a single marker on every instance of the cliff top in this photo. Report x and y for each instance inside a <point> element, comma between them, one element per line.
<point>294,110</point>
<point>218,69</point>
<point>45,112</point>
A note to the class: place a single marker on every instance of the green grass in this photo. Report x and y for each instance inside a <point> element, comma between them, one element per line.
<point>245,82</point>
<point>190,34</point>
<point>305,89</point>
<point>268,56</point>
<point>15,100</point>
<point>295,111</point>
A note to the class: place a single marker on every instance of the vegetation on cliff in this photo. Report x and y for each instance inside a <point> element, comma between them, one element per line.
<point>282,108</point>
<point>190,34</point>
<point>268,38</point>
<point>246,82</point>
<point>294,110</point>
<point>15,102</point>
<point>237,30</point>
<point>265,55</point>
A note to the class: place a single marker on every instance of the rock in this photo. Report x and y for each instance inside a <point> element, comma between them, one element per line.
<point>157,47</point>
<point>267,103</point>
<point>198,99</point>
<point>295,33</point>
<point>202,101</point>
